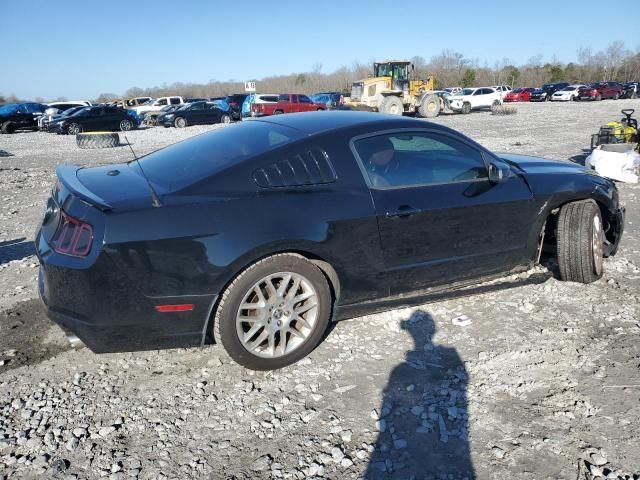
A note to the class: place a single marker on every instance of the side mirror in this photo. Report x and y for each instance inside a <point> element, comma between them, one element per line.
<point>499,172</point>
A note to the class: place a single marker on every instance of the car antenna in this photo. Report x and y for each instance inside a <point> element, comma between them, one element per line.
<point>155,201</point>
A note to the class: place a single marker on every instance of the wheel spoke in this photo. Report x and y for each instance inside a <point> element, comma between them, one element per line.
<point>258,341</point>
<point>252,331</point>
<point>305,307</point>
<point>284,284</point>
<point>294,289</point>
<point>303,296</point>
<point>301,321</point>
<point>271,289</point>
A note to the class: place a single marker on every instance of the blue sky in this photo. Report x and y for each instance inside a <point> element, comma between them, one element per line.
<point>79,49</point>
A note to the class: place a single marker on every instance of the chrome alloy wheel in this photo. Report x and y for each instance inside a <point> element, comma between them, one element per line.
<point>277,314</point>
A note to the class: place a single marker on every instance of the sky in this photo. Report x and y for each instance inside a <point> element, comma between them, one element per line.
<point>79,49</point>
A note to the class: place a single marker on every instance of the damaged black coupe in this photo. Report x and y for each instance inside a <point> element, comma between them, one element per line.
<point>258,234</point>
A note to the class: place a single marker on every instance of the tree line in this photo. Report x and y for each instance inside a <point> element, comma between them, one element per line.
<point>449,69</point>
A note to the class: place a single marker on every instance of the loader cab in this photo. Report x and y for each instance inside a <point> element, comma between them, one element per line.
<point>398,71</point>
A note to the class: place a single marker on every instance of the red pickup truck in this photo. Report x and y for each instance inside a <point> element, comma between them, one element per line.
<point>287,103</point>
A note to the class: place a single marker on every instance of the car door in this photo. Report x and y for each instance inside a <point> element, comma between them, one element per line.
<point>440,219</point>
<point>477,99</point>
<point>195,114</point>
<point>306,104</point>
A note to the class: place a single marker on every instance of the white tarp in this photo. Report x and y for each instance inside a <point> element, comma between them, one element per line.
<point>621,166</point>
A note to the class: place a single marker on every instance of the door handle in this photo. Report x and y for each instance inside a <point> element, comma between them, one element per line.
<point>403,211</point>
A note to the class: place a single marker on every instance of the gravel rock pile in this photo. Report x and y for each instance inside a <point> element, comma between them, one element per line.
<point>540,380</point>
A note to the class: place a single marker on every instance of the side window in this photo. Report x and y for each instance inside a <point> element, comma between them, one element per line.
<point>304,99</point>
<point>478,92</point>
<point>162,101</point>
<point>174,101</point>
<point>412,159</point>
<point>283,98</point>
<point>198,106</point>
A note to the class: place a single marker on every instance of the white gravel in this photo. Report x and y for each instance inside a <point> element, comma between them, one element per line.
<point>543,383</point>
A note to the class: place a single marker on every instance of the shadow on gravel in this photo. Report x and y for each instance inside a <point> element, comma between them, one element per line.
<point>424,411</point>
<point>4,153</point>
<point>28,337</point>
<point>16,250</point>
<point>581,157</point>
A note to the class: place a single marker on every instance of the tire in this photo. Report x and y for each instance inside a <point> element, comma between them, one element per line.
<point>74,129</point>
<point>466,108</point>
<point>392,106</point>
<point>224,118</point>
<point>98,140</point>
<point>8,127</point>
<point>598,97</point>
<point>616,96</point>
<point>580,242</point>
<point>180,122</point>
<point>126,125</point>
<point>572,98</point>
<point>278,112</point>
<point>228,325</point>
<point>430,107</point>
<point>547,98</point>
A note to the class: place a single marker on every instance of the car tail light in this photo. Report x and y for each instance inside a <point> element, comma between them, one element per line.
<point>73,237</point>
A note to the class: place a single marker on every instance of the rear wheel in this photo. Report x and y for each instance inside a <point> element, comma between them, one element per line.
<point>580,240</point>
<point>180,122</point>
<point>274,313</point>
<point>8,127</point>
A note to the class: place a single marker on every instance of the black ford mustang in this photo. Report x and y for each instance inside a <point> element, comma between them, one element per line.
<point>197,113</point>
<point>257,234</point>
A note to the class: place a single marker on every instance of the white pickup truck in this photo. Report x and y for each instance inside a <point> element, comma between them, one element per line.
<point>474,98</point>
<point>157,104</point>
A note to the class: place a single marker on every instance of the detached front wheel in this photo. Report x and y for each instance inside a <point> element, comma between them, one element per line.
<point>580,240</point>
<point>274,313</point>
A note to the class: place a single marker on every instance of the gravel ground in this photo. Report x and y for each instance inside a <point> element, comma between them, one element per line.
<point>543,383</point>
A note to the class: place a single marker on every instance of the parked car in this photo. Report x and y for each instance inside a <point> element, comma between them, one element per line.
<point>601,90</point>
<point>197,113</point>
<point>137,101</point>
<point>259,98</point>
<point>157,118</point>
<point>235,103</point>
<point>58,109</point>
<point>287,103</point>
<point>45,120</point>
<point>332,100</point>
<point>261,233</point>
<point>20,116</point>
<point>567,94</point>
<point>156,105</point>
<point>503,89</point>
<point>474,98</point>
<point>544,93</point>
<point>452,90</point>
<point>94,119</point>
<point>520,94</point>
<point>193,100</point>
<point>631,90</point>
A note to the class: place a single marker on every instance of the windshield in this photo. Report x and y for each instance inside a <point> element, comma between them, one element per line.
<point>185,163</point>
<point>8,108</point>
<point>73,111</point>
<point>81,111</point>
<point>567,89</point>
<point>383,70</point>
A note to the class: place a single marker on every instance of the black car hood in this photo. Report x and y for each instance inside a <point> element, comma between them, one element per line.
<point>538,165</point>
<point>121,186</point>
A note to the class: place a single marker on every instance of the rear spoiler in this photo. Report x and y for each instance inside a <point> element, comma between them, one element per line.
<point>67,175</point>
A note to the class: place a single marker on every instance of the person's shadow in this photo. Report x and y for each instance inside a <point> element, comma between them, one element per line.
<point>423,418</point>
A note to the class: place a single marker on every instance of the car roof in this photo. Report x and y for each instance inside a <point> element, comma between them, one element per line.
<point>316,122</point>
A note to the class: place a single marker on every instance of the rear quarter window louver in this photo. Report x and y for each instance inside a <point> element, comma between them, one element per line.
<point>309,168</point>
